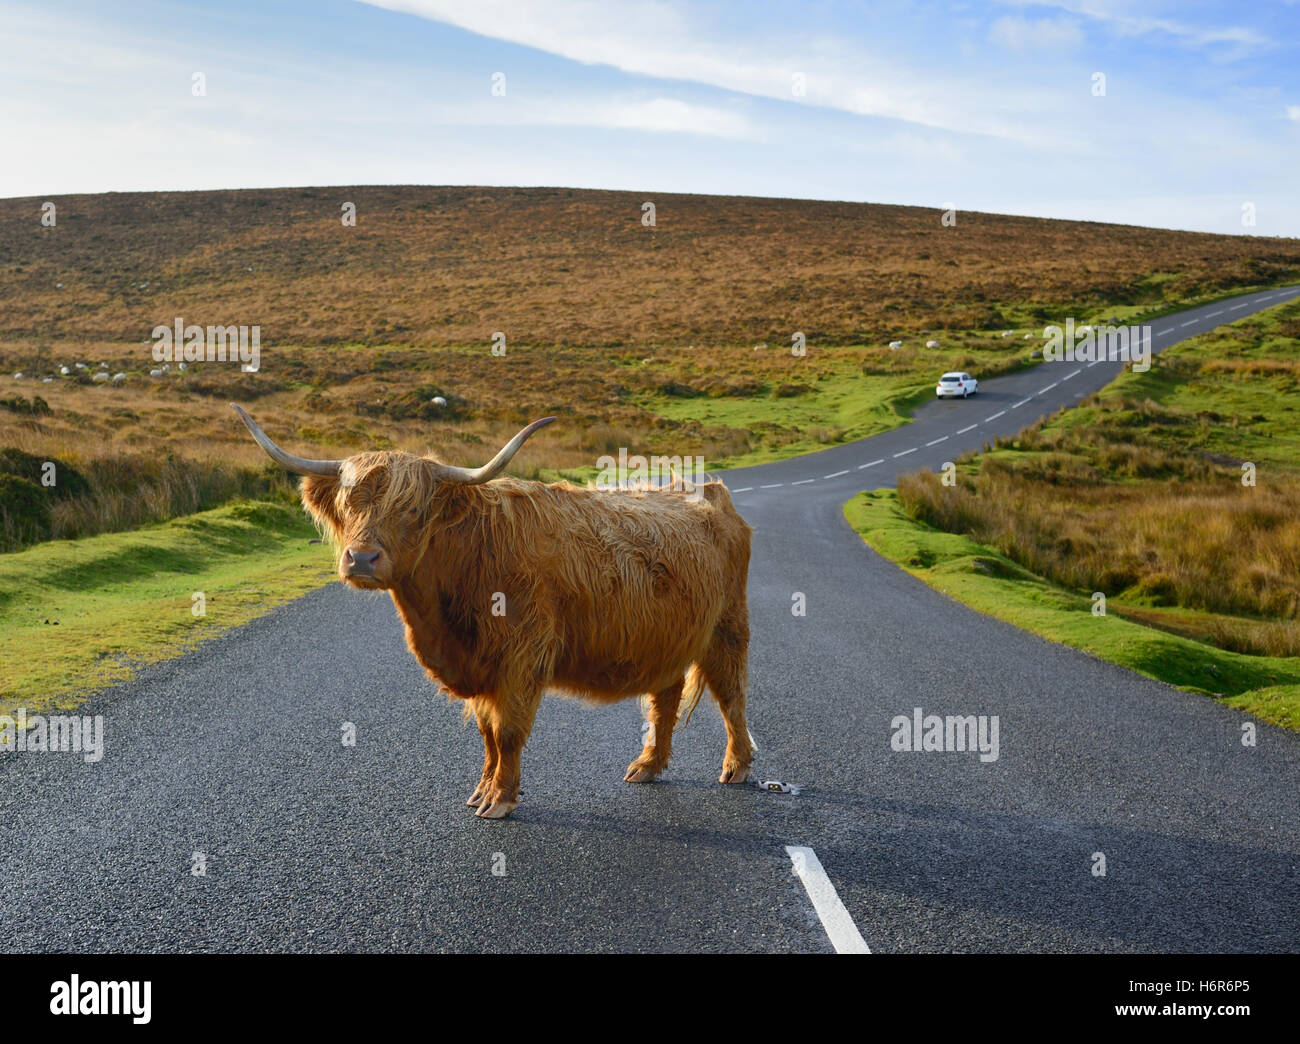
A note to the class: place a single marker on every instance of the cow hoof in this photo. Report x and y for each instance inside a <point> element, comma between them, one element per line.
<point>476,798</point>
<point>734,775</point>
<point>496,810</point>
<point>640,772</point>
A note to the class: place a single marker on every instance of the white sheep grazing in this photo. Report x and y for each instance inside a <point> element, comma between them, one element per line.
<point>182,367</point>
<point>47,380</point>
<point>152,373</point>
<point>895,344</point>
<point>64,371</point>
<point>1027,336</point>
<point>81,366</point>
<point>18,376</point>
<point>932,344</point>
<point>118,378</point>
<point>100,377</point>
<point>438,400</point>
<point>1007,333</point>
<point>103,366</point>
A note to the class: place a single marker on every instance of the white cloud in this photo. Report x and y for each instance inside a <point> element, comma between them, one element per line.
<point>1134,23</point>
<point>1044,35</point>
<point>1293,112</point>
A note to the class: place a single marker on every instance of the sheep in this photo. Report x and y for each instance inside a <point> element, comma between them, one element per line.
<point>1027,336</point>
<point>1007,333</point>
<point>155,373</point>
<point>64,371</point>
<point>81,366</point>
<point>118,378</point>
<point>47,380</point>
<point>103,366</point>
<point>895,344</point>
<point>182,367</point>
<point>438,400</point>
<point>100,377</point>
<point>248,367</point>
<point>932,344</point>
<point>18,376</point>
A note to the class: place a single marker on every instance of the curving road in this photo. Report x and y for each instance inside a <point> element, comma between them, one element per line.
<point>234,751</point>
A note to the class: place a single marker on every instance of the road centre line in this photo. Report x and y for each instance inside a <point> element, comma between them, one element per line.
<point>773,485</point>
<point>743,489</point>
<point>967,428</point>
<point>871,463</point>
<point>906,452</point>
<point>1190,322</point>
<point>1167,329</point>
<point>802,482</point>
<point>1048,388</point>
<point>836,474</point>
<point>937,441</point>
<point>1211,315</point>
<point>840,929</point>
<point>1020,403</point>
<point>995,416</point>
<point>1235,307</point>
<point>1075,374</point>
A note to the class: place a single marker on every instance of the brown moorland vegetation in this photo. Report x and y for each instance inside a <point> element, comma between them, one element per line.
<point>635,336</point>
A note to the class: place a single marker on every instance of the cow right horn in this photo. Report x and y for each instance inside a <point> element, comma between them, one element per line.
<point>298,465</point>
<point>494,467</point>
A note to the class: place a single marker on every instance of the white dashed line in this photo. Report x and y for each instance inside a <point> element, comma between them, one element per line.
<point>840,929</point>
<point>1235,307</point>
<point>774,485</point>
<point>1190,322</point>
<point>937,441</point>
<point>1048,388</point>
<point>1015,405</point>
<point>743,489</point>
<point>836,474</point>
<point>1167,329</point>
<point>871,463</point>
<point>802,482</point>
<point>1075,374</point>
<point>1095,363</point>
<point>998,414</point>
<point>906,452</point>
<point>968,427</point>
<point>1211,315</point>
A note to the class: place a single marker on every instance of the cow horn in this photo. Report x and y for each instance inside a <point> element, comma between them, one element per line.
<point>494,467</point>
<point>298,465</point>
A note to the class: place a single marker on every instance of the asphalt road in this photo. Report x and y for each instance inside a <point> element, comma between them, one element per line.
<point>235,751</point>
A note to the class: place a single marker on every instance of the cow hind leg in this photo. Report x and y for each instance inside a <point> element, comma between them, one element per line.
<point>724,667</point>
<point>662,715</point>
<point>482,708</point>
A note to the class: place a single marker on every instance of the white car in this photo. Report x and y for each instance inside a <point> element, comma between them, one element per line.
<point>954,384</point>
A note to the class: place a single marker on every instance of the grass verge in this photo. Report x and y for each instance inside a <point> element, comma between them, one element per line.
<point>1267,687</point>
<point>79,615</point>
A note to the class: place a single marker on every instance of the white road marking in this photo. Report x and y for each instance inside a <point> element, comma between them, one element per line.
<point>774,485</point>
<point>1235,307</point>
<point>967,428</point>
<point>743,489</point>
<point>1211,315</point>
<point>1095,363</point>
<point>996,415</point>
<point>1076,373</point>
<point>906,452</point>
<point>1167,329</point>
<point>1190,322</point>
<point>871,463</point>
<point>840,929</point>
<point>802,482</point>
<point>1014,405</point>
<point>937,441</point>
<point>1048,388</point>
<point>836,474</point>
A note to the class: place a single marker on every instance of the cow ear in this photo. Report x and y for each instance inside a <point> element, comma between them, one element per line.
<point>319,494</point>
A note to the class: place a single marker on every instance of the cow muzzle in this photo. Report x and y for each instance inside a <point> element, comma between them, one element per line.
<point>360,565</point>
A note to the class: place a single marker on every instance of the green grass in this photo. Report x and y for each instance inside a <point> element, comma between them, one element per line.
<point>978,577</point>
<point>79,615</point>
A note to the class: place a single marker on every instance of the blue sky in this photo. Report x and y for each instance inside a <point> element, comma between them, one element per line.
<point>985,106</point>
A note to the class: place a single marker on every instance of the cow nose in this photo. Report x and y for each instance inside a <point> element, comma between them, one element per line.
<point>360,563</point>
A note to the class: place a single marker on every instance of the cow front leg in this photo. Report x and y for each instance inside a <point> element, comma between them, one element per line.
<point>482,708</point>
<point>512,721</point>
<point>662,715</point>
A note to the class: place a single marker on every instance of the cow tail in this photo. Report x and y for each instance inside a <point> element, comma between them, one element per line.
<point>691,694</point>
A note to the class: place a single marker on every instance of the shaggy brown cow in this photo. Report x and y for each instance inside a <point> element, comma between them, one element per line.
<point>509,587</point>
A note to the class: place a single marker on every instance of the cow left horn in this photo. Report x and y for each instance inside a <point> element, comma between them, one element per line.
<point>298,465</point>
<point>494,467</point>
